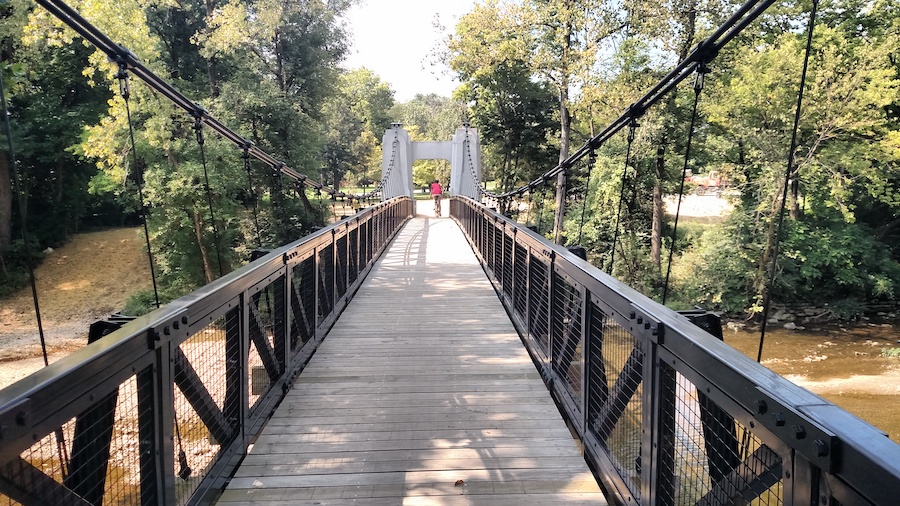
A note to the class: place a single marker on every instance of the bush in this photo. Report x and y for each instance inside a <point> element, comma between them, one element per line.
<point>140,303</point>
<point>14,271</point>
<point>891,352</point>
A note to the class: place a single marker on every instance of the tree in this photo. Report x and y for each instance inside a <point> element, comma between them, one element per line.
<point>567,34</point>
<point>514,112</point>
<point>355,119</point>
<point>50,102</point>
<point>843,159</point>
<point>268,68</point>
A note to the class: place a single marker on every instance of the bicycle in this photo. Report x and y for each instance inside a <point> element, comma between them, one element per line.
<point>437,205</point>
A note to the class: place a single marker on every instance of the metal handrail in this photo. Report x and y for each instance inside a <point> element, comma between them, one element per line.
<point>667,413</point>
<point>204,371</point>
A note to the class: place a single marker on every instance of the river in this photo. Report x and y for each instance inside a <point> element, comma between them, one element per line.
<point>843,364</point>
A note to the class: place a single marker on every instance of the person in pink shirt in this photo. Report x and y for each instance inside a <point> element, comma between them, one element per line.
<point>436,193</point>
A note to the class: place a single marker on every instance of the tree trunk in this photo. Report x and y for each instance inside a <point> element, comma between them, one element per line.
<point>204,255</point>
<point>211,67</point>
<point>563,154</point>
<point>6,198</point>
<point>762,273</point>
<point>660,168</point>
<point>279,63</point>
<point>658,208</point>
<point>564,127</point>
<point>795,196</point>
<point>301,190</point>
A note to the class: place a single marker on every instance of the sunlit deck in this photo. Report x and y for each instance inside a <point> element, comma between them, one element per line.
<point>422,393</point>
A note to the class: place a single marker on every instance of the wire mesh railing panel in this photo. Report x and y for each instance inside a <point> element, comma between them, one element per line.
<point>497,252</point>
<point>266,358</point>
<point>303,303</point>
<point>340,262</point>
<point>326,282</point>
<point>485,232</point>
<point>520,275</point>
<point>489,232</point>
<point>95,457</point>
<point>202,424</point>
<point>614,400</point>
<point>539,303</point>
<point>568,357</point>
<point>123,475</point>
<point>354,265</point>
<point>507,264</point>
<point>705,456</point>
<point>40,471</point>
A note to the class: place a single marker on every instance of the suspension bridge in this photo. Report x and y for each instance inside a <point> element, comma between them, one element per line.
<point>392,357</point>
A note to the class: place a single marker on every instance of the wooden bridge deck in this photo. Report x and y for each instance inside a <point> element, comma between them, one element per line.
<point>421,394</point>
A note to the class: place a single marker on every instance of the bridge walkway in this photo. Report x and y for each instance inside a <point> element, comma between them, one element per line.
<point>422,393</point>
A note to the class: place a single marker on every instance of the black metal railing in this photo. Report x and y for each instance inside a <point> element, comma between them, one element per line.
<point>668,414</point>
<point>163,409</point>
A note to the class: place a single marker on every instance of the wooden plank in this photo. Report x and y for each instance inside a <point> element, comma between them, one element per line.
<point>386,495</point>
<point>422,389</point>
<point>409,444</point>
<point>582,481</point>
<point>345,465</point>
<point>517,452</point>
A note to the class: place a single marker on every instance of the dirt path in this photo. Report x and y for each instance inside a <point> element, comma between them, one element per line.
<point>87,279</point>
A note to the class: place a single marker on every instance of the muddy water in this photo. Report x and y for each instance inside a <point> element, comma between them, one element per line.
<point>844,365</point>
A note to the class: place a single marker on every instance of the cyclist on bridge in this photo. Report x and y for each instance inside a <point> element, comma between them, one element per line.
<point>436,192</point>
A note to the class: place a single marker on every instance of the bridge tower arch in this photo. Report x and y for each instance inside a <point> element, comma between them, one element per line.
<point>399,152</point>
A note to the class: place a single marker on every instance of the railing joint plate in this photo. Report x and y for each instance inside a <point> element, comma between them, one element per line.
<point>174,328</point>
<point>646,326</point>
<point>817,444</point>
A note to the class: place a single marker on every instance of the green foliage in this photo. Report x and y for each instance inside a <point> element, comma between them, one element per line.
<point>14,270</point>
<point>834,260</point>
<point>140,303</point>
<point>355,120</point>
<point>890,352</point>
<point>492,54</point>
<point>267,69</point>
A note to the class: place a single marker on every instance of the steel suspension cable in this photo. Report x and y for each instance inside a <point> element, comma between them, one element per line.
<point>767,297</point>
<point>198,128</point>
<point>632,126</point>
<point>592,159</point>
<point>125,92</point>
<point>702,70</point>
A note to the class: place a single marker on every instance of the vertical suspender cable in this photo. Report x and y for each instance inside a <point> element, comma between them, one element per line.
<point>198,128</point>
<point>15,180</point>
<point>530,206</point>
<point>632,126</point>
<point>702,70</point>
<point>124,90</point>
<point>540,222</point>
<point>592,159</point>
<point>767,298</point>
